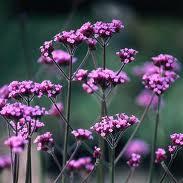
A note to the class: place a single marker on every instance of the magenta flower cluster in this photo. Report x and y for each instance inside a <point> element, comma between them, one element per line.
<point>2,103</point>
<point>5,162</point>
<point>19,89</point>
<point>134,161</point>
<point>17,111</point>
<point>127,55</point>
<point>160,155</point>
<point>82,134</point>
<point>97,152</point>
<point>4,92</point>
<point>113,124</point>
<point>16,143</point>
<point>44,142</point>
<point>54,111</point>
<point>177,139</point>
<point>84,163</point>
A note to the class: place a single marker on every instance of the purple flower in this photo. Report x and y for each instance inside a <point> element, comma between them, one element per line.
<point>5,162</point>
<point>47,49</point>
<point>114,124</point>
<point>177,139</point>
<point>144,98</point>
<point>82,134</point>
<point>16,143</point>
<point>172,149</point>
<point>4,92</point>
<point>2,103</point>
<point>159,83</point>
<point>137,146</point>
<point>54,111</point>
<point>81,75</point>
<point>89,87</point>
<point>127,55</point>
<point>160,155</point>
<point>164,60</point>
<point>44,142</point>
<point>97,152</point>
<point>87,29</point>
<point>134,161</point>
<point>91,43</point>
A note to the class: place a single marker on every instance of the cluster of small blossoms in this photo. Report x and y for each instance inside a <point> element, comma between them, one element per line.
<point>18,111</point>
<point>54,111</point>
<point>91,43</point>
<point>159,83</point>
<point>127,55</point>
<point>16,143</point>
<point>160,155</point>
<point>19,89</point>
<point>44,142</point>
<point>105,30</point>
<point>144,98</point>
<point>4,92</point>
<point>113,124</point>
<point>82,134</point>
<point>137,146</point>
<point>177,139</point>
<point>5,162</point>
<point>164,60</point>
<point>96,152</point>
<point>172,149</point>
<point>59,56</point>
<point>47,49</point>
<point>100,77</point>
<point>134,161</point>
<point>84,163</point>
<point>2,103</point>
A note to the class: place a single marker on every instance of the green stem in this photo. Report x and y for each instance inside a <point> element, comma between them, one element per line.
<point>151,170</point>
<point>56,160</point>
<point>135,131</point>
<point>69,91</point>
<point>104,56</point>
<point>112,171</point>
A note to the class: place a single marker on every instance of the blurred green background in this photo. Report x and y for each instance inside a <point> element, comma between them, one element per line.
<point>151,27</point>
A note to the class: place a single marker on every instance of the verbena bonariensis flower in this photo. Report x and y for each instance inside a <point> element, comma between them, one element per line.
<point>91,43</point>
<point>82,134</point>
<point>16,143</point>
<point>49,89</point>
<point>159,83</point>
<point>2,103</point>
<point>160,155</point>
<point>87,29</point>
<point>97,152</point>
<point>59,56</point>
<point>177,139</point>
<point>18,111</point>
<point>172,149</point>
<point>47,49</point>
<point>127,55</point>
<point>105,30</point>
<point>134,161</point>
<point>5,162</point>
<point>54,111</point>
<point>137,146</point>
<point>84,163</point>
<point>164,60</point>
<point>144,98</point>
<point>113,124</point>
<point>4,92</point>
<point>81,75</point>
<point>44,142</point>
<point>70,38</point>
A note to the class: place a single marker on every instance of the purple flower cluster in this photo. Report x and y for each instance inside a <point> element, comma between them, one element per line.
<point>97,152</point>
<point>4,92</point>
<point>137,146</point>
<point>17,111</point>
<point>160,155</point>
<point>2,103</point>
<point>16,143</point>
<point>164,60</point>
<point>113,124</point>
<point>44,142</point>
<point>100,78</point>
<point>134,160</point>
<point>91,42</point>
<point>159,83</point>
<point>172,149</point>
<point>177,139</point>
<point>5,162</point>
<point>127,55</point>
<point>84,163</point>
<point>59,56</point>
<point>47,49</point>
<point>54,111</point>
<point>19,89</point>
<point>82,134</point>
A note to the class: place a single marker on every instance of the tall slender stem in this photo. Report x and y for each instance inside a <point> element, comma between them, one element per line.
<point>104,56</point>
<point>56,160</point>
<point>69,91</point>
<point>129,175</point>
<point>151,170</point>
<point>112,170</point>
<point>135,131</point>
<point>168,172</point>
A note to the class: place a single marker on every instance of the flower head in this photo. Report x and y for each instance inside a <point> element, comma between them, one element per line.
<point>160,155</point>
<point>4,92</point>
<point>44,142</point>
<point>172,149</point>
<point>5,162</point>
<point>134,160</point>
<point>87,29</point>
<point>2,103</point>
<point>46,49</point>
<point>82,134</point>
<point>97,152</point>
<point>54,111</point>
<point>177,139</point>
<point>127,55</point>
<point>16,143</point>
<point>91,43</point>
<point>81,75</point>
